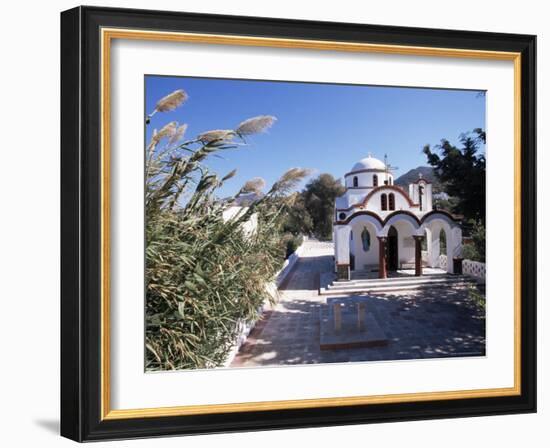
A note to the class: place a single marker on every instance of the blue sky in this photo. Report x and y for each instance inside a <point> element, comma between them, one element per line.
<point>324,127</point>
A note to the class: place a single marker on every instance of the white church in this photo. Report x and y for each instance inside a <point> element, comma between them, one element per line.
<point>379,226</point>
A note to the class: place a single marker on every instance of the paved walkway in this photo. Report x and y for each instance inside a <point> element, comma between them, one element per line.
<point>418,324</point>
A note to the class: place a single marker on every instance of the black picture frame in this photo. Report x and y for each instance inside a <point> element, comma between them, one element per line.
<point>81,224</point>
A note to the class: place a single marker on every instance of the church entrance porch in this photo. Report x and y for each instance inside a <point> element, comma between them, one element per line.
<point>402,241</point>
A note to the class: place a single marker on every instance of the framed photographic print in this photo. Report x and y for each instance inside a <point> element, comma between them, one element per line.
<point>275,224</point>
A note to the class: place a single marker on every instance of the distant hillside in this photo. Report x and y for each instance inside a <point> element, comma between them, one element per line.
<point>248,198</point>
<point>412,176</point>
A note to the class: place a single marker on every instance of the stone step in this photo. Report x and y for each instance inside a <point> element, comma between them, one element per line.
<point>398,280</point>
<point>388,288</point>
<point>374,274</point>
<point>394,284</point>
<point>383,284</point>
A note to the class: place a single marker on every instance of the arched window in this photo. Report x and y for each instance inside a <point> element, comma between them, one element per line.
<point>375,180</point>
<point>392,201</point>
<point>365,239</point>
<point>384,201</point>
<point>442,242</point>
<point>355,181</point>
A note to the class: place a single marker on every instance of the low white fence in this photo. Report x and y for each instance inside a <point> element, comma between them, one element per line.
<point>474,268</point>
<point>469,267</point>
<point>288,265</point>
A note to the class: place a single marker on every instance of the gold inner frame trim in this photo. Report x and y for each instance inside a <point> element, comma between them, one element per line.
<point>107,35</point>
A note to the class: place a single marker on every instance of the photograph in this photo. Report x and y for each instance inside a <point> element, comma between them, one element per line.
<point>296,223</point>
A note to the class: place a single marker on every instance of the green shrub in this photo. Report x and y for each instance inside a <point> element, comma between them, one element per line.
<point>292,243</point>
<point>476,249</point>
<point>477,298</point>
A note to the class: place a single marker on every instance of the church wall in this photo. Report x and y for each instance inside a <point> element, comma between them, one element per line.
<point>427,196</point>
<point>366,179</point>
<point>357,196</point>
<point>401,203</point>
<point>363,258</point>
<point>342,251</point>
<point>406,249</point>
<point>405,242</point>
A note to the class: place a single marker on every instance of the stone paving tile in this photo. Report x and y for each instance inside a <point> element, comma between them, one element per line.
<point>418,324</point>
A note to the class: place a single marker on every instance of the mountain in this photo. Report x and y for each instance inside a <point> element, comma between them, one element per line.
<point>412,175</point>
<point>246,199</point>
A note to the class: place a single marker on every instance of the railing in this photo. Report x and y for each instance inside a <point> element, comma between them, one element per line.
<point>288,265</point>
<point>469,267</point>
<point>473,268</point>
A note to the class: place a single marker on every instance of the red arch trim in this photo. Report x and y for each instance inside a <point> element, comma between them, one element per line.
<point>389,187</point>
<point>421,180</point>
<point>377,189</point>
<point>383,222</point>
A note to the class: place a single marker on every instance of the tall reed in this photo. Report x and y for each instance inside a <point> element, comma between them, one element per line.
<point>204,274</point>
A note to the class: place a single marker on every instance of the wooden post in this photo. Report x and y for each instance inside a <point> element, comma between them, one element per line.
<point>382,257</point>
<point>418,255</point>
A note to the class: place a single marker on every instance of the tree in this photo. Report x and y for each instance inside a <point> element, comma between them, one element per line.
<point>476,249</point>
<point>298,221</point>
<point>319,196</point>
<point>445,204</point>
<point>462,173</point>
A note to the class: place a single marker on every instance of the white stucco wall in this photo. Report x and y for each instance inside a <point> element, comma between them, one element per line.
<point>341,248</point>
<point>357,196</point>
<point>405,242</point>
<point>426,196</point>
<point>249,227</point>
<point>363,257</point>
<point>366,179</point>
<point>453,236</point>
<point>374,204</point>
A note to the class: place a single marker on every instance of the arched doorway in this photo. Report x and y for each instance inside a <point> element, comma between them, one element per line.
<point>444,238</point>
<point>393,250</point>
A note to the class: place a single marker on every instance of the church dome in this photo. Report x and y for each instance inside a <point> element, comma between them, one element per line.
<point>369,163</point>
